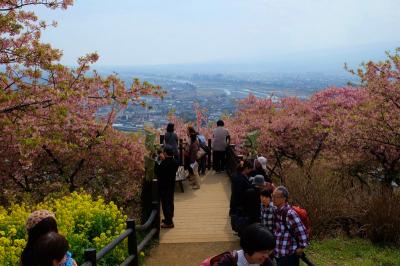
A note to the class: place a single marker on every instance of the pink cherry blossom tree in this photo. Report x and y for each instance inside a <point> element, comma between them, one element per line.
<point>49,134</point>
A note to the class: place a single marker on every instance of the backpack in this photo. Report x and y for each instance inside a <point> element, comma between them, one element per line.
<point>305,219</point>
<point>201,139</point>
<point>213,260</point>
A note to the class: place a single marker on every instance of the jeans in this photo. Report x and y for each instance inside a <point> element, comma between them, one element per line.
<point>167,204</point>
<point>290,260</point>
<point>202,165</point>
<point>219,160</point>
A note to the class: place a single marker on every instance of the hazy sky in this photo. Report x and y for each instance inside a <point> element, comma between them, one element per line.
<point>133,32</point>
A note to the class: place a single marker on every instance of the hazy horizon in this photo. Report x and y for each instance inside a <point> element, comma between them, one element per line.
<point>269,33</point>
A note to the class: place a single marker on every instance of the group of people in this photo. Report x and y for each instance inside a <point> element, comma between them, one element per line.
<point>194,161</point>
<point>256,201</point>
<point>269,228</point>
<point>45,246</point>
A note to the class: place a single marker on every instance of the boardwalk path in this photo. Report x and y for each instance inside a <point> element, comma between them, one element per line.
<point>202,225</point>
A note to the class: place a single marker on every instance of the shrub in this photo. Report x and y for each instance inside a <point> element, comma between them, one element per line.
<point>85,223</point>
<point>327,199</point>
<point>381,221</point>
<point>337,203</point>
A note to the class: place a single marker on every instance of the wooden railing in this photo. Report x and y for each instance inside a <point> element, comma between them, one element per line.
<point>232,160</point>
<point>152,224</point>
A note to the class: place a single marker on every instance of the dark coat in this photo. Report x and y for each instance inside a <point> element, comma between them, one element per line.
<point>251,205</point>
<point>166,174</point>
<point>239,184</point>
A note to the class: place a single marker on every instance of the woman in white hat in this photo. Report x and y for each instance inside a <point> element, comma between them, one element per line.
<point>260,168</point>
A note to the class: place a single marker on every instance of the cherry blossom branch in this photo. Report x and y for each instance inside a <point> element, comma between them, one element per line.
<point>24,106</point>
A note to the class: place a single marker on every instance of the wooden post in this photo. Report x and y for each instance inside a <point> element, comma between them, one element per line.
<point>157,220</point>
<point>132,242</point>
<point>209,155</point>
<point>156,205</point>
<point>154,191</point>
<point>90,256</point>
<point>181,152</point>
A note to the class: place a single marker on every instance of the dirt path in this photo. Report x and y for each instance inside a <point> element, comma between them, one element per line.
<point>186,254</point>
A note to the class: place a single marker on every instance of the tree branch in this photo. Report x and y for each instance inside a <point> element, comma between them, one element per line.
<point>22,4</point>
<point>23,106</point>
<point>55,160</point>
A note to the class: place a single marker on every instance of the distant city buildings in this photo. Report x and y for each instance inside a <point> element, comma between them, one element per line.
<point>218,94</point>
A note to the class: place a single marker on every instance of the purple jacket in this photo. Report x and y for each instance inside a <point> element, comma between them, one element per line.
<point>231,259</point>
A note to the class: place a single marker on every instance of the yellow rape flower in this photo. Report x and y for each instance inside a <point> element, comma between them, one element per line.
<point>85,223</point>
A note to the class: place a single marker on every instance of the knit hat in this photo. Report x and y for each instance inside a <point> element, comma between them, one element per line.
<point>36,217</point>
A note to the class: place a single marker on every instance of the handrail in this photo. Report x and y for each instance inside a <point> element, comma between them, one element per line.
<point>146,240</point>
<point>153,222</point>
<point>91,257</point>
<point>114,243</point>
<point>148,223</point>
<point>128,260</point>
<point>232,160</point>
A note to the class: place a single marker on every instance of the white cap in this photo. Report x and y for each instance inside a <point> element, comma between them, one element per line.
<point>263,161</point>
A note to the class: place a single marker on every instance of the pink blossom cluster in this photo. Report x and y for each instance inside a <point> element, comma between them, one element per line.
<point>50,138</point>
<point>356,129</point>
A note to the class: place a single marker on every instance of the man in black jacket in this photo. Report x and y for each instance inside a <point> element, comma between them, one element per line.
<point>166,173</point>
<point>239,184</point>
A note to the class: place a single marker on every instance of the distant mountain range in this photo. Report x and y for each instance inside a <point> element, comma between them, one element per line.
<point>324,61</point>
